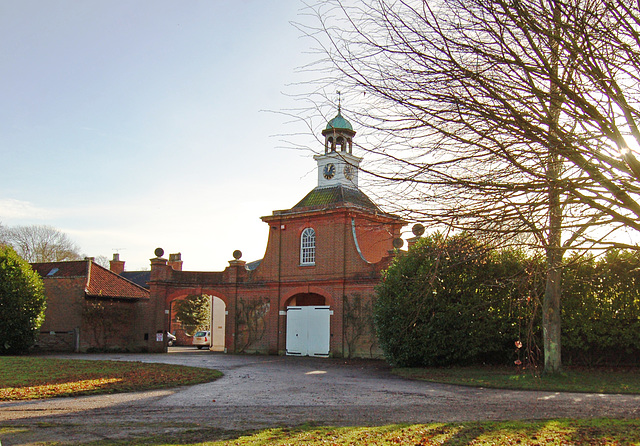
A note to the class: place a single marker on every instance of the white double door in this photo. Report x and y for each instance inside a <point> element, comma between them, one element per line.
<point>308,331</point>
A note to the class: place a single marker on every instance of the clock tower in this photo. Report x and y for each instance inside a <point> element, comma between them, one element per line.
<point>324,258</point>
<point>338,166</point>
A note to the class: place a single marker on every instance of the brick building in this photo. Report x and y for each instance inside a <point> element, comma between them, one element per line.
<point>312,292</point>
<point>90,307</point>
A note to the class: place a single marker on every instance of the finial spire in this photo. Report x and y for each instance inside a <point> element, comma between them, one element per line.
<point>339,101</point>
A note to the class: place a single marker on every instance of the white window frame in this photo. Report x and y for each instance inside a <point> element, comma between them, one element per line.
<point>308,247</point>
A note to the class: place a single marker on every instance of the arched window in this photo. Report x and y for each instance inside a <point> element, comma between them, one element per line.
<point>308,247</point>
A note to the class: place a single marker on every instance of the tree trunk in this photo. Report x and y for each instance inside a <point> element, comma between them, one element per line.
<point>551,323</point>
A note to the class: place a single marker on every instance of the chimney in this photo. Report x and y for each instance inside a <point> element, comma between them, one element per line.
<point>175,261</point>
<point>116,265</point>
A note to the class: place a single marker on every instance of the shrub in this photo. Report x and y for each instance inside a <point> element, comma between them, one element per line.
<point>454,301</point>
<point>448,301</point>
<point>601,309</point>
<point>22,303</point>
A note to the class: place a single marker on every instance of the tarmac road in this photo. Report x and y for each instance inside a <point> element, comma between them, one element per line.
<point>267,391</point>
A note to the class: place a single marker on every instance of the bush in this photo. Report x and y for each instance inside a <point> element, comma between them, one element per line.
<point>22,303</point>
<point>449,301</point>
<point>454,302</point>
<point>601,309</point>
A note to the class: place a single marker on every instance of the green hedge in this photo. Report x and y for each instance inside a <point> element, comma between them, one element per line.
<point>450,301</point>
<point>454,302</point>
<point>601,310</point>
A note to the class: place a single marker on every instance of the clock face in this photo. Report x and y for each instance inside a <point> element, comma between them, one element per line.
<point>349,171</point>
<point>329,171</point>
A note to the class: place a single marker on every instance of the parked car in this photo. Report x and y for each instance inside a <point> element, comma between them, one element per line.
<point>202,339</point>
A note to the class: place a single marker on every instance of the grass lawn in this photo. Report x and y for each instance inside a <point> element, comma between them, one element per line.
<point>557,432</point>
<point>549,432</point>
<point>599,380</point>
<point>23,377</point>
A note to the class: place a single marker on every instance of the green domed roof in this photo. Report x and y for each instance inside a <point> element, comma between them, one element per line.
<point>339,123</point>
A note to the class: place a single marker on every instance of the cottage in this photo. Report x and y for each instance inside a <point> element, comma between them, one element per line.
<point>92,308</point>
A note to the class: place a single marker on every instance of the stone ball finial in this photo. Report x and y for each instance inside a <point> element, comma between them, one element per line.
<point>159,252</point>
<point>237,254</point>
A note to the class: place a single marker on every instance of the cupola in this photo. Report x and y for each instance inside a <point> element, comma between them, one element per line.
<point>338,135</point>
<point>338,166</point>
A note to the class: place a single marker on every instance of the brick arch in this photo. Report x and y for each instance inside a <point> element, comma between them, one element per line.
<point>306,299</point>
<point>175,295</point>
<point>306,291</point>
<point>183,292</point>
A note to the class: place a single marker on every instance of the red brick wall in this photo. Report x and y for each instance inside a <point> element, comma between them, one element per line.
<point>109,325</point>
<point>339,270</point>
<point>65,296</point>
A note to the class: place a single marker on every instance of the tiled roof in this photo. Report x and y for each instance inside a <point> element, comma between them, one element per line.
<point>140,278</point>
<point>326,196</point>
<point>105,283</point>
<point>100,282</point>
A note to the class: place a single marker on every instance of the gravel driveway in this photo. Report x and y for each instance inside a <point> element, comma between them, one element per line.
<point>266,391</point>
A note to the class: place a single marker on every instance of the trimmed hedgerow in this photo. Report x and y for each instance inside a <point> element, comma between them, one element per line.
<point>455,301</point>
<point>451,301</point>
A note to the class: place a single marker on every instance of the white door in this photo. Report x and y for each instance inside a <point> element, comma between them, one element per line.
<point>218,320</point>
<point>296,331</point>
<point>308,331</point>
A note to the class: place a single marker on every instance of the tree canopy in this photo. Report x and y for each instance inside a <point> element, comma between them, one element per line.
<point>194,312</point>
<point>469,101</point>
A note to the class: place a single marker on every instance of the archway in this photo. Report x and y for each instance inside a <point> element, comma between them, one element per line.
<point>216,321</point>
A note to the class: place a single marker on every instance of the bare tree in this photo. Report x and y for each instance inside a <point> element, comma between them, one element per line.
<point>41,243</point>
<point>3,235</point>
<point>103,261</point>
<point>517,118</point>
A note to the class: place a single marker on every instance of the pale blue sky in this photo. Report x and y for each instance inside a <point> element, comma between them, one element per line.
<point>132,125</point>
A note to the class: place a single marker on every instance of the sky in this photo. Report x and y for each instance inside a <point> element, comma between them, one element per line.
<point>132,125</point>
